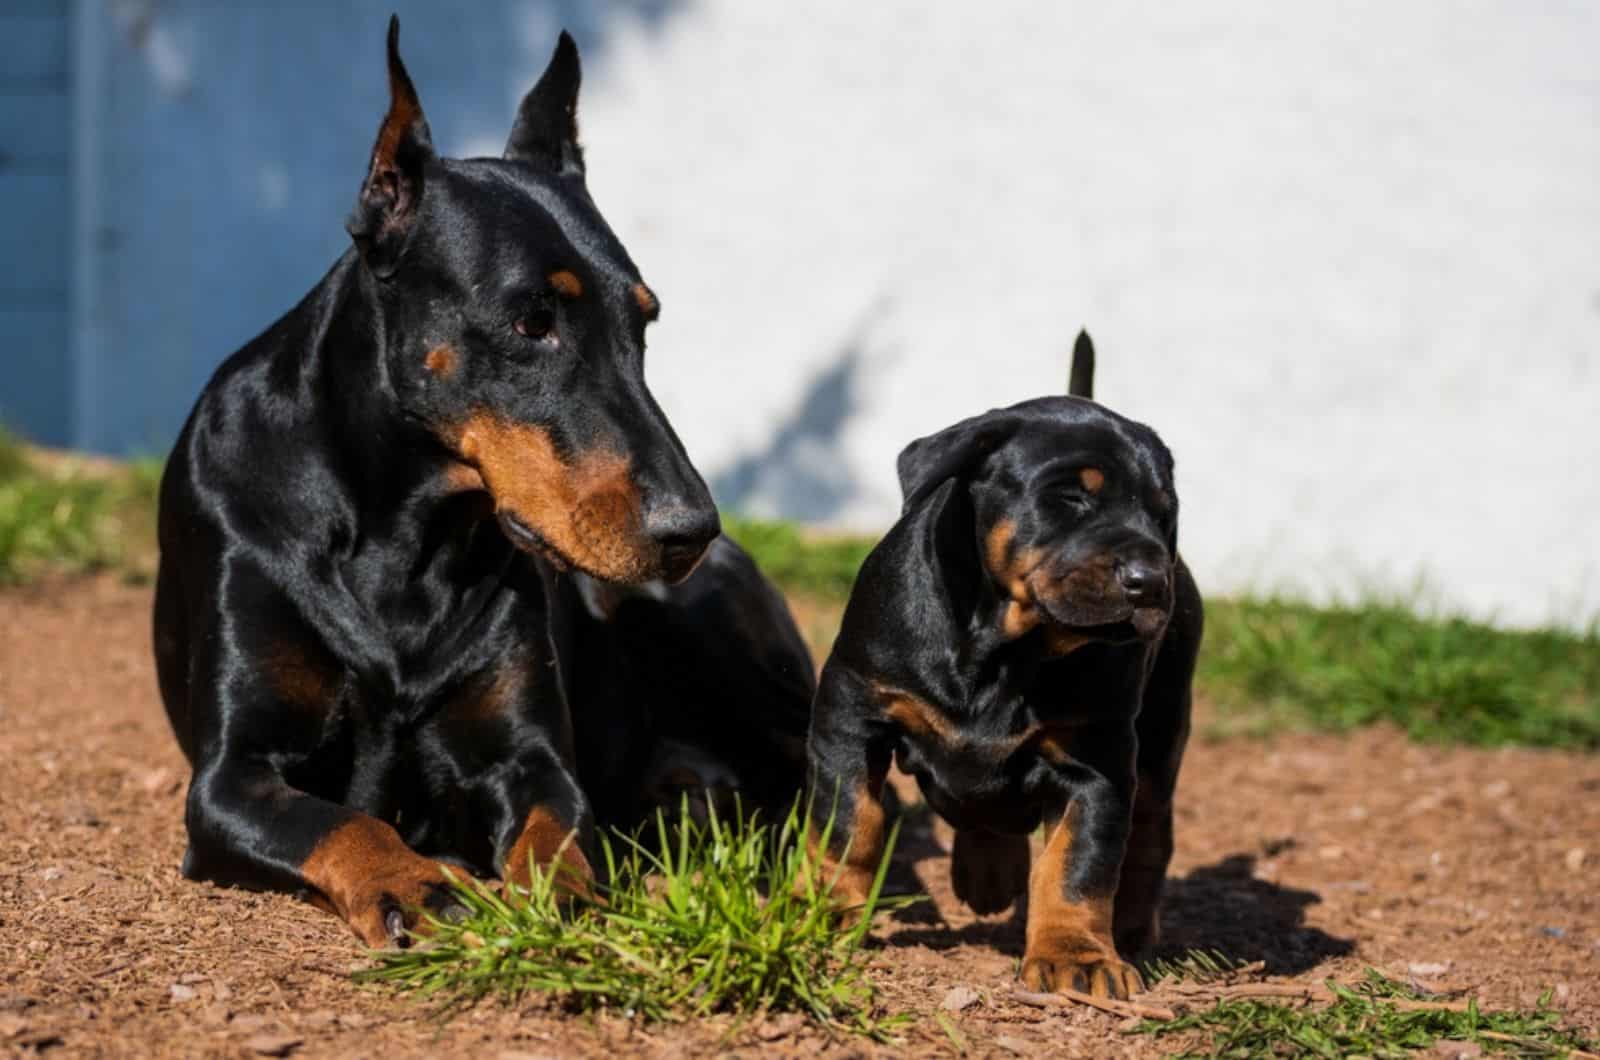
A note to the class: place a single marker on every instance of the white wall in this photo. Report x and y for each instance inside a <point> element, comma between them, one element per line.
<point>1346,258</point>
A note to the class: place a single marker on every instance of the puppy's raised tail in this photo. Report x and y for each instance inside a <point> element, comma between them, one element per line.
<point>1081,382</point>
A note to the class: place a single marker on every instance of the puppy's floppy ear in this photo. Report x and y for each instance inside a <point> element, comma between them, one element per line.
<point>386,211</point>
<point>546,131</point>
<point>927,462</point>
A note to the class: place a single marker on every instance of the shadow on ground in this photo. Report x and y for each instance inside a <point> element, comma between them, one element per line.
<point>1219,907</point>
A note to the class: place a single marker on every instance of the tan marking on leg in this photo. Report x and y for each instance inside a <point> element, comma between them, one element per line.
<point>566,284</point>
<point>850,872</point>
<point>1069,942</point>
<point>544,839</point>
<point>361,865</point>
<point>588,511</point>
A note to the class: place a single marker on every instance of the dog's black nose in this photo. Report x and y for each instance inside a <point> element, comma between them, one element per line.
<point>1144,582</point>
<point>683,535</point>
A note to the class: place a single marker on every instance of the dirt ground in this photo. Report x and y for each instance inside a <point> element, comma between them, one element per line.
<point>1317,855</point>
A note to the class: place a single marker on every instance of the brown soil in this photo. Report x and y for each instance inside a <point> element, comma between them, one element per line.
<point>1317,855</point>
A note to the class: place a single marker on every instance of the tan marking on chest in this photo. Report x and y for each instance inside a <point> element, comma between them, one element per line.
<point>441,362</point>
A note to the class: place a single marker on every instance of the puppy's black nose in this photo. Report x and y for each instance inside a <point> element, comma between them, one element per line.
<point>1144,582</point>
<point>683,535</point>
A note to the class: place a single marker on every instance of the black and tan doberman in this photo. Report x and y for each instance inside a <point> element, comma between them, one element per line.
<point>1022,642</point>
<point>376,624</point>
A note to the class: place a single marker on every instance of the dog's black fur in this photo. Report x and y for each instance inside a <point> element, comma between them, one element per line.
<point>378,524</point>
<point>1023,641</point>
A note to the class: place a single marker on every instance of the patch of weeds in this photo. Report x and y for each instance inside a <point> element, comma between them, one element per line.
<point>1365,1021</point>
<point>822,566</point>
<point>728,916</point>
<point>67,518</point>
<point>1272,663</point>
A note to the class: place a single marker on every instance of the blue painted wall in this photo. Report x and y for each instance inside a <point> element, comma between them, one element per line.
<point>175,175</point>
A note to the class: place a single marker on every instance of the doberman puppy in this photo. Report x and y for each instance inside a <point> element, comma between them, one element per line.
<point>368,626</point>
<point>1022,642</point>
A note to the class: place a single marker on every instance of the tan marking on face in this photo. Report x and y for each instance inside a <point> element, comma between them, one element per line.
<point>587,512</point>
<point>1092,478</point>
<point>647,301</point>
<point>566,284</point>
<point>440,362</point>
<point>462,478</point>
<point>362,864</point>
<point>1012,568</point>
<point>545,839</point>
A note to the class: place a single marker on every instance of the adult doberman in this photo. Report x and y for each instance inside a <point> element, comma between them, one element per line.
<point>1023,642</point>
<point>373,526</point>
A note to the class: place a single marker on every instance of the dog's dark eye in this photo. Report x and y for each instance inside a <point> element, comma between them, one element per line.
<point>538,324</point>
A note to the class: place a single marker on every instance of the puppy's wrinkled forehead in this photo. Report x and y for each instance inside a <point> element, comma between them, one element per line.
<point>1097,454</point>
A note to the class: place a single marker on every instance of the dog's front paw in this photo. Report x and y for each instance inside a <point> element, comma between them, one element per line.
<point>1091,971</point>
<point>988,870</point>
<point>396,904</point>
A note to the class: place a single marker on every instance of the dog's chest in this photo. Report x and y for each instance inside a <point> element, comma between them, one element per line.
<point>990,772</point>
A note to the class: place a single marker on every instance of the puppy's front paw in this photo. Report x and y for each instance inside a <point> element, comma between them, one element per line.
<point>1090,970</point>
<point>988,870</point>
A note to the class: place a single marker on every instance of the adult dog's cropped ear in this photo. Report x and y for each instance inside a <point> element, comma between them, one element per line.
<point>386,211</point>
<point>546,131</point>
<point>927,462</point>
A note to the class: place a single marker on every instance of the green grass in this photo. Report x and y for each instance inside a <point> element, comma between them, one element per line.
<point>1268,664</point>
<point>1271,664</point>
<point>61,519</point>
<point>721,917</point>
<point>1363,1021</point>
<point>823,566</point>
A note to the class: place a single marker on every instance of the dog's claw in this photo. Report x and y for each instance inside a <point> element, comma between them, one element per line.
<point>394,925</point>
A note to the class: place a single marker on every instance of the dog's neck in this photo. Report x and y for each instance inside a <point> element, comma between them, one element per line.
<point>407,491</point>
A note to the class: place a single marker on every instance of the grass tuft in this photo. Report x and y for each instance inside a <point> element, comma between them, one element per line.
<point>725,916</point>
<point>1365,1021</point>
<point>59,516</point>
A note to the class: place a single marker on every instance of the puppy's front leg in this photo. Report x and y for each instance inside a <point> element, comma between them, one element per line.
<point>849,753</point>
<point>1073,885</point>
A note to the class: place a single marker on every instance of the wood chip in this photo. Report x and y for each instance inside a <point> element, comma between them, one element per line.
<point>959,998</point>
<point>1063,998</point>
